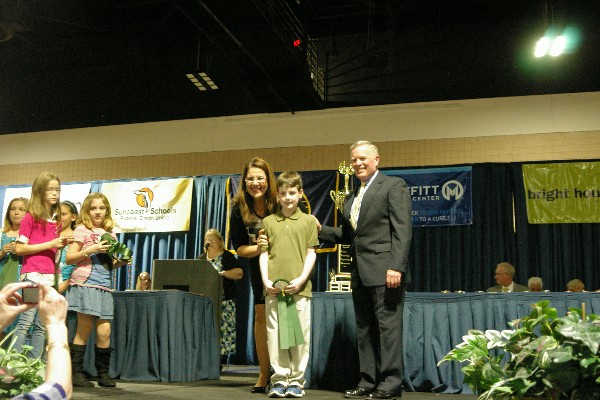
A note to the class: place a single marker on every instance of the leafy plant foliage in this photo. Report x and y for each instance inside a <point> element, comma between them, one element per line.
<point>18,373</point>
<point>543,356</point>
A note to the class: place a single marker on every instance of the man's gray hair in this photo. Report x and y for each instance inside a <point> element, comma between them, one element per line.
<point>508,268</point>
<point>372,148</point>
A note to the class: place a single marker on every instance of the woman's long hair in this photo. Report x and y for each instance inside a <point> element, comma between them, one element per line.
<point>245,201</point>
<point>138,283</point>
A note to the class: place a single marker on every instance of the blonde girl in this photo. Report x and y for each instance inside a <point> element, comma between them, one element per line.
<point>90,293</point>
<point>10,264</point>
<point>38,243</point>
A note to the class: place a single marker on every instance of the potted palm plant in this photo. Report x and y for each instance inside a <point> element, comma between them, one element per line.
<point>542,356</point>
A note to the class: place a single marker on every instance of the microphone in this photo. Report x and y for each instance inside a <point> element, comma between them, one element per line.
<point>206,246</point>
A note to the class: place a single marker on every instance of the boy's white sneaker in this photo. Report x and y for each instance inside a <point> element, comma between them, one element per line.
<point>294,391</point>
<point>278,390</point>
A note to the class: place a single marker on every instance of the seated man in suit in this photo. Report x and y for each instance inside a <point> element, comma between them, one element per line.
<point>504,279</point>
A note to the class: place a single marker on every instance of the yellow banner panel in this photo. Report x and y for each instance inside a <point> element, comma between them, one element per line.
<point>562,193</point>
<point>150,206</point>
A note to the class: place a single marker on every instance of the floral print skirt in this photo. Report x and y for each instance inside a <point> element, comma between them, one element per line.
<point>228,327</point>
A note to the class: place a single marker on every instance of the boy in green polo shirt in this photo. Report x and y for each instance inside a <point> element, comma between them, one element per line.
<point>285,267</point>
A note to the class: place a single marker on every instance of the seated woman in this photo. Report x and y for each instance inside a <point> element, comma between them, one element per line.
<point>144,282</point>
<point>575,285</point>
<point>231,270</point>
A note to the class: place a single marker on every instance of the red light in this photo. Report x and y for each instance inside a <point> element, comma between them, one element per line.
<point>297,42</point>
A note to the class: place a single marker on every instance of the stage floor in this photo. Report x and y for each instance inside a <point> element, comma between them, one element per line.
<point>235,383</point>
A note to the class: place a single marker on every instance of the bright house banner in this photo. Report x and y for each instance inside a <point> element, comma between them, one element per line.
<point>562,193</point>
<point>75,193</point>
<point>150,206</point>
<point>440,196</point>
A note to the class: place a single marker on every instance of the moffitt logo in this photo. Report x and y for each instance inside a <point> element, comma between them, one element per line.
<point>144,197</point>
<point>453,188</point>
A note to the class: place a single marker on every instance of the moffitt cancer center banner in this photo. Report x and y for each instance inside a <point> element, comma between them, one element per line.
<point>440,196</point>
<point>562,193</point>
<point>150,206</point>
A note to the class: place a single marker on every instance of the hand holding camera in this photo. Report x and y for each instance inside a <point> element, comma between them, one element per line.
<point>12,303</point>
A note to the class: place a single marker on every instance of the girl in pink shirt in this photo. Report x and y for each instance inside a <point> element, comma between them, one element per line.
<point>38,243</point>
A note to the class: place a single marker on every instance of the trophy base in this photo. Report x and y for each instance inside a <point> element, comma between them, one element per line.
<point>340,283</point>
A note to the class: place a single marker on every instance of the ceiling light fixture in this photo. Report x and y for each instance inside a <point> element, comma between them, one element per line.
<point>202,81</point>
<point>554,43</point>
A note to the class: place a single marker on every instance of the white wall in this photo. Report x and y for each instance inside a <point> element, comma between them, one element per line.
<point>574,112</point>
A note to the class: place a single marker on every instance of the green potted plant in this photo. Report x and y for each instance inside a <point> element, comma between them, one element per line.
<point>18,373</point>
<point>543,356</point>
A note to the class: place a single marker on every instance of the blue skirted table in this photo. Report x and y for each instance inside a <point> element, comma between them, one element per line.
<point>166,336</point>
<point>433,324</point>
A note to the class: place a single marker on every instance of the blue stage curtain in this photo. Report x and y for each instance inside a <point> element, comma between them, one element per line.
<point>210,208</point>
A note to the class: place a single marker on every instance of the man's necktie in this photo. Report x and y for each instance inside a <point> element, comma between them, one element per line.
<point>505,289</point>
<point>355,210</point>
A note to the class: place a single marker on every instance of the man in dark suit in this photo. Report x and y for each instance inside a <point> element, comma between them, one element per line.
<point>504,275</point>
<point>377,224</point>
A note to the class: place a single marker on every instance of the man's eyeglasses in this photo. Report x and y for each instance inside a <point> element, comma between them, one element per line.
<point>260,179</point>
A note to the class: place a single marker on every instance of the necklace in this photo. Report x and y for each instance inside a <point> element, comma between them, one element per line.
<point>211,259</point>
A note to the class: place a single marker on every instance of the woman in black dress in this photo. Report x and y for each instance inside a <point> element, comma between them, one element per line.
<point>255,200</point>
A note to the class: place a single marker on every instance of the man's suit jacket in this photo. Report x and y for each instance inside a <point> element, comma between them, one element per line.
<point>383,233</point>
<point>516,288</point>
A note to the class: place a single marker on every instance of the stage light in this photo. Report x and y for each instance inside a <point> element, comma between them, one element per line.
<point>297,43</point>
<point>542,46</point>
<point>551,45</point>
<point>556,42</point>
<point>558,46</point>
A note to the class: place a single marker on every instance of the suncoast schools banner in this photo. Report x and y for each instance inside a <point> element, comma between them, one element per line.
<point>562,193</point>
<point>440,196</point>
<point>150,206</point>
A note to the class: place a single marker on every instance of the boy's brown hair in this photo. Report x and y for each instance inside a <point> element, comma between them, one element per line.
<point>289,178</point>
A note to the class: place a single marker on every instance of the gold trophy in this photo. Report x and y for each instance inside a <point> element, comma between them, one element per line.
<point>339,196</point>
<point>340,280</point>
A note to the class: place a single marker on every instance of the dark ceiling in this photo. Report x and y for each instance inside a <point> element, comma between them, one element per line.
<point>72,63</point>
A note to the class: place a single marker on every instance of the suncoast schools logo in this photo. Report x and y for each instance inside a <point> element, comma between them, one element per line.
<point>139,205</point>
<point>144,197</point>
<point>453,189</point>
